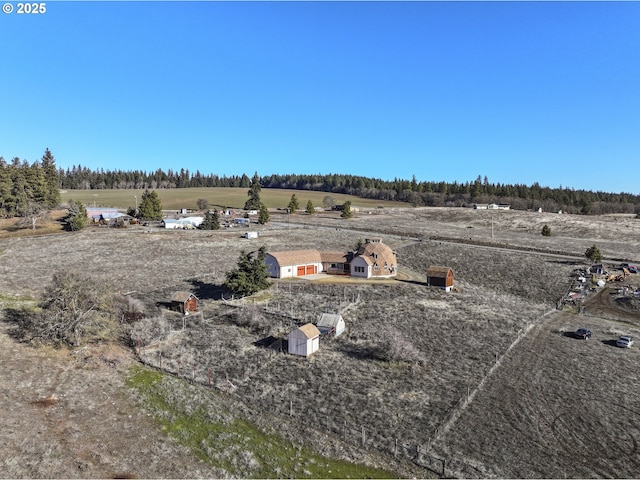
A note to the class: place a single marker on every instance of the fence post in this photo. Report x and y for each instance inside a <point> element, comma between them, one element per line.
<point>363,436</point>
<point>395,448</point>
<point>444,466</point>
<point>209,376</point>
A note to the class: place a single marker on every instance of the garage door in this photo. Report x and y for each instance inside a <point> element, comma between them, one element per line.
<point>311,269</point>
<point>301,271</point>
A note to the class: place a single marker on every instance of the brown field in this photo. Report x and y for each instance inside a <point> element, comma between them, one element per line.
<point>486,378</point>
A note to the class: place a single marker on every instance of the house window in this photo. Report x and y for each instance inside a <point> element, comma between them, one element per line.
<point>334,265</point>
<point>386,266</point>
<point>358,269</point>
<point>375,266</point>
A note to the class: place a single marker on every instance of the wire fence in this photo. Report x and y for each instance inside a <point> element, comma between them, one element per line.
<point>421,454</point>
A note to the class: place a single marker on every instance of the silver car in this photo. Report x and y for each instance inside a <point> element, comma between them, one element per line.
<point>625,341</point>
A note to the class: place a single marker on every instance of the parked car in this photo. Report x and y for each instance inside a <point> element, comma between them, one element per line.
<point>583,333</point>
<point>631,268</point>
<point>625,341</point>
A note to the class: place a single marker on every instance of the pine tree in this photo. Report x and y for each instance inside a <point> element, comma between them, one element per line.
<point>150,206</point>
<point>5,188</point>
<point>254,202</point>
<point>310,210</point>
<point>546,231</point>
<point>211,221</point>
<point>250,275</point>
<point>263,215</point>
<point>293,204</point>
<point>51,178</point>
<point>77,217</point>
<point>346,210</point>
<point>593,254</point>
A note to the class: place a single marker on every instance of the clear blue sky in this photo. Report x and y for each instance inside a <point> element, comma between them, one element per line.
<point>520,92</point>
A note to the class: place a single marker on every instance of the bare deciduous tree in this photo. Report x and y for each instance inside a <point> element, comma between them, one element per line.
<point>73,308</point>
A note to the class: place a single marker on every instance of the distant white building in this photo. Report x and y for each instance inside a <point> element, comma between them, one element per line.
<point>182,223</point>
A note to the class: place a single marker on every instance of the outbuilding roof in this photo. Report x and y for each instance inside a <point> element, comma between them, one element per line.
<point>309,330</point>
<point>182,296</point>
<point>329,320</point>
<point>438,271</point>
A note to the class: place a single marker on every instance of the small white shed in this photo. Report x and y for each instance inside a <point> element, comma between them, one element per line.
<point>304,340</point>
<point>331,324</point>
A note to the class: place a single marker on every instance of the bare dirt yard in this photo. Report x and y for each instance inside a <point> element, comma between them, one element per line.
<point>485,381</point>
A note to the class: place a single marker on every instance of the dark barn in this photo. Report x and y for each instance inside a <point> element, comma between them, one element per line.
<point>441,277</point>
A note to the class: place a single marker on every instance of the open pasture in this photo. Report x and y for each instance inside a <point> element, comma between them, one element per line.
<point>484,377</point>
<point>178,198</point>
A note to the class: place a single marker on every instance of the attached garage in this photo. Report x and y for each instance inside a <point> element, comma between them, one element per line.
<point>295,263</point>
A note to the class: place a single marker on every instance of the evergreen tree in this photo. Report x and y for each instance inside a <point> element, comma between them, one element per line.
<point>150,206</point>
<point>546,231</point>
<point>51,179</point>
<point>5,188</point>
<point>293,204</point>
<point>250,275</point>
<point>346,210</point>
<point>254,202</point>
<point>211,221</point>
<point>310,210</point>
<point>77,217</point>
<point>263,215</point>
<point>593,254</point>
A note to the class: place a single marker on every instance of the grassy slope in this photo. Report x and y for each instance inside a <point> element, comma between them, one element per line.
<point>230,442</point>
<point>176,198</point>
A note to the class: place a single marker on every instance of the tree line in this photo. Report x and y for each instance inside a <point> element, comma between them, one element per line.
<point>22,184</point>
<point>425,193</point>
<point>28,189</point>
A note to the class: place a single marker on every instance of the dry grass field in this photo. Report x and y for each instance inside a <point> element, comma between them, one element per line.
<point>486,378</point>
<point>178,198</point>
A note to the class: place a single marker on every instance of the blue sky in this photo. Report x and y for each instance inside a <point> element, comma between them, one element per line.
<point>520,92</point>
